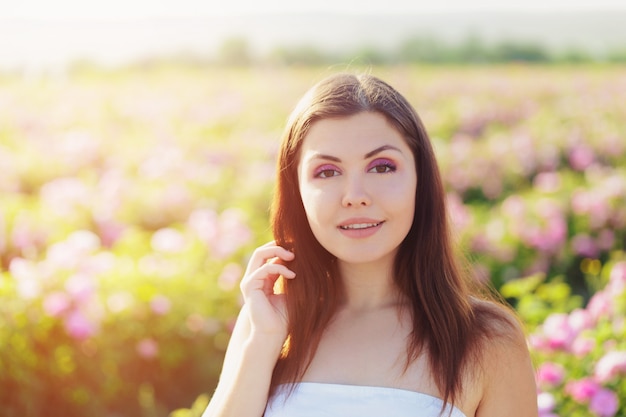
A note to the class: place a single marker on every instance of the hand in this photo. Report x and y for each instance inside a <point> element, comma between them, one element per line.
<point>267,309</point>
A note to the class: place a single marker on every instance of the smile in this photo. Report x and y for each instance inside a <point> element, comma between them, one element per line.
<point>358,226</point>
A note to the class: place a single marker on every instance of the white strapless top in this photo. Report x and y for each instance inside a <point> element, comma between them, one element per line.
<point>333,400</point>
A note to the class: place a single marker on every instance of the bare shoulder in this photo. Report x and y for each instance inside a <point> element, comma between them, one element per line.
<point>499,324</point>
<point>508,376</point>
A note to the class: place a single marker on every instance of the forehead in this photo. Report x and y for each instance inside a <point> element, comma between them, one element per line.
<point>352,135</point>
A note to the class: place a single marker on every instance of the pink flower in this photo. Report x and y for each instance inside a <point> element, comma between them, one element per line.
<point>617,278</point>
<point>230,276</point>
<point>160,304</point>
<point>605,239</point>
<point>81,287</point>
<point>618,273</point>
<point>109,231</point>
<point>550,374</point>
<point>580,320</point>
<point>78,326</point>
<point>537,342</point>
<point>582,390</point>
<point>549,232</point>
<point>581,157</point>
<point>600,305</point>
<point>582,346</point>
<point>604,403</point>
<point>459,213</point>
<point>584,245</point>
<point>56,303</point>
<point>204,222</point>
<point>514,207</point>
<point>234,233</point>
<point>558,331</point>
<point>547,182</point>
<point>611,365</point>
<point>147,348</point>
<point>70,253</point>
<point>64,195</point>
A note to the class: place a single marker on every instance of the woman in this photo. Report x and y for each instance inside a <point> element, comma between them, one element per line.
<point>375,316</point>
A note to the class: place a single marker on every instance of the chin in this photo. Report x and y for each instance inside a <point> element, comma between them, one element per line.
<point>363,256</point>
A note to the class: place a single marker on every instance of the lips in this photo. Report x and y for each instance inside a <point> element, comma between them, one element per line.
<point>358,226</point>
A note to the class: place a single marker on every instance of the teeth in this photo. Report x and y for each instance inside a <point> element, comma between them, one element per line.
<point>359,226</point>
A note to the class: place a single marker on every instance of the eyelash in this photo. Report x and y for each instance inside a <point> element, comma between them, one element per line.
<point>388,167</point>
<point>384,163</point>
<point>319,172</point>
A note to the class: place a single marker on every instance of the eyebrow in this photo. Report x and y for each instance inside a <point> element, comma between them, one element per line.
<point>366,156</point>
<point>380,149</point>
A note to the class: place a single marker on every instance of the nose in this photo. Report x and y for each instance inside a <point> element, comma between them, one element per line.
<point>355,194</point>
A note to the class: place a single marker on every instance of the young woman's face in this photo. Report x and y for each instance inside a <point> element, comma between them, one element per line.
<point>358,181</point>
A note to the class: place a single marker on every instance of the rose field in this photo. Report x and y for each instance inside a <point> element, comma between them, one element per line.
<point>130,199</point>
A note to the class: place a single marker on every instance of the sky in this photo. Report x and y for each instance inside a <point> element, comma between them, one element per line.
<point>131,9</point>
<point>52,33</point>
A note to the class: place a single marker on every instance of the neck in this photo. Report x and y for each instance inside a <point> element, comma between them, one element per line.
<point>368,286</point>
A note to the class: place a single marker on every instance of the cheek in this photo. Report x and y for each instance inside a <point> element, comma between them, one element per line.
<point>401,199</point>
<point>316,216</point>
<point>313,202</point>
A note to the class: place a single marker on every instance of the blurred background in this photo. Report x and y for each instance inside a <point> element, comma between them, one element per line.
<point>137,148</point>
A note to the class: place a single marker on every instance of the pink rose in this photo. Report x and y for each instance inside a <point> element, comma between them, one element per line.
<point>617,278</point>
<point>538,342</point>
<point>558,331</point>
<point>584,245</point>
<point>582,390</point>
<point>604,403</point>
<point>580,319</point>
<point>147,348</point>
<point>550,374</point>
<point>230,276</point>
<point>547,182</point>
<point>160,304</point>
<point>606,240</point>
<point>581,157</point>
<point>234,233</point>
<point>611,365</point>
<point>78,326</point>
<point>582,346</point>
<point>459,213</point>
<point>81,287</point>
<point>600,305</point>
<point>56,303</point>
<point>205,223</point>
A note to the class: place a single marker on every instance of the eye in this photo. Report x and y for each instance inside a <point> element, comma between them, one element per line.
<point>326,171</point>
<point>381,166</point>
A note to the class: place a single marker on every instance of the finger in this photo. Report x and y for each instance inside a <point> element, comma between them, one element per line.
<point>268,252</point>
<point>265,277</point>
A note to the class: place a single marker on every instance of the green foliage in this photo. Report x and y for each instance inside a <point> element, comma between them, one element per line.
<point>235,51</point>
<point>424,49</point>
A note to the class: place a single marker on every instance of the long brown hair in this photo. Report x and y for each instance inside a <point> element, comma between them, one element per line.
<point>426,269</point>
